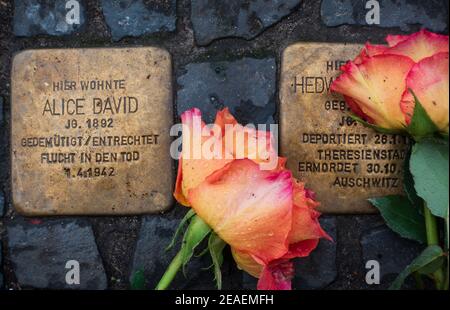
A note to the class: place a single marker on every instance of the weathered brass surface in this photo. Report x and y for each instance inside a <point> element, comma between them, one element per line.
<point>342,161</point>
<point>90,131</point>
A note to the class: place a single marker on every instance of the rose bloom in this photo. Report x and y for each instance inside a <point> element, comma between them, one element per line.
<point>376,84</point>
<point>266,216</point>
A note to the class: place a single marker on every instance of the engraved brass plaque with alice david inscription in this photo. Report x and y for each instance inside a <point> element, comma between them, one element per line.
<point>90,131</point>
<point>342,161</point>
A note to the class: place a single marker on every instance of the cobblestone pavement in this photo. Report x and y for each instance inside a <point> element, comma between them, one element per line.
<point>236,38</point>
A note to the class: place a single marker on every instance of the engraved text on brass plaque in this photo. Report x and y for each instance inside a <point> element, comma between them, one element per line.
<point>341,160</point>
<point>90,131</point>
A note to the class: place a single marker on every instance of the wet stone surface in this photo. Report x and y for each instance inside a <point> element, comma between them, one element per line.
<point>2,203</point>
<point>39,251</point>
<point>432,14</point>
<point>152,258</point>
<point>319,269</point>
<point>138,17</point>
<point>46,17</point>
<point>213,19</point>
<point>246,86</point>
<point>1,111</point>
<point>391,251</point>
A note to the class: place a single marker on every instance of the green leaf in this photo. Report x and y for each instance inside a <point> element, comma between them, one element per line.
<point>138,280</point>
<point>429,167</point>
<point>401,216</point>
<point>430,268</point>
<point>408,185</point>
<point>375,127</point>
<point>428,256</point>
<point>421,125</point>
<point>186,217</point>
<point>195,233</point>
<point>216,246</point>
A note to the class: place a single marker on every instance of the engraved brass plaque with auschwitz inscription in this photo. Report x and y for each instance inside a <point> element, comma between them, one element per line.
<point>342,161</point>
<point>90,131</point>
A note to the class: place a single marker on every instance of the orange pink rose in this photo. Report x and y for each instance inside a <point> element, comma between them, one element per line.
<point>266,216</point>
<point>377,84</point>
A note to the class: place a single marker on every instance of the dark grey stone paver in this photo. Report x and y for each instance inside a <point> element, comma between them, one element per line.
<point>139,17</point>
<point>213,19</point>
<point>2,203</point>
<point>45,17</point>
<point>391,251</point>
<point>1,110</point>
<point>432,14</point>
<point>39,251</point>
<point>318,269</point>
<point>247,86</point>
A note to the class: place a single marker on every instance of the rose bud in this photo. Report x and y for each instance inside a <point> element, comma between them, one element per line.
<point>266,216</point>
<point>378,85</point>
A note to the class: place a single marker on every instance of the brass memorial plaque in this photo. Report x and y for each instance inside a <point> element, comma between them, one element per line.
<point>342,161</point>
<point>90,131</point>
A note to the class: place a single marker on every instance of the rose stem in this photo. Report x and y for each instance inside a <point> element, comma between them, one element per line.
<point>170,273</point>
<point>419,281</point>
<point>433,239</point>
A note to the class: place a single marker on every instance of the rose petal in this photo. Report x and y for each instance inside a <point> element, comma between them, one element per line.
<point>281,163</point>
<point>276,276</point>
<point>234,141</point>
<point>193,167</point>
<point>418,45</point>
<point>376,86</point>
<point>375,49</point>
<point>394,39</point>
<point>429,80</point>
<point>301,249</point>
<point>304,236</point>
<point>305,219</point>
<point>369,50</point>
<point>245,141</point>
<point>223,118</point>
<point>249,208</point>
<point>247,263</point>
<point>306,229</point>
<point>178,192</point>
<point>354,107</point>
